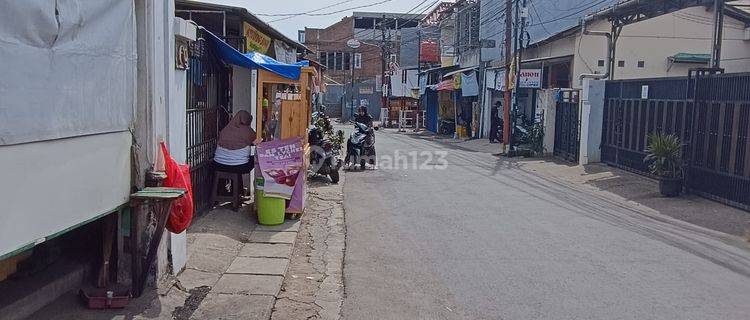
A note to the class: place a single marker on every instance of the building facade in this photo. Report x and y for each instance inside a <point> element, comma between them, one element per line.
<point>342,62</point>
<point>386,41</point>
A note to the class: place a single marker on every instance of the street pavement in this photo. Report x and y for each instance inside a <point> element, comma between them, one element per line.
<point>487,239</point>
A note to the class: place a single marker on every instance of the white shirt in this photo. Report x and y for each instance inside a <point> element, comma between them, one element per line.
<point>232,157</point>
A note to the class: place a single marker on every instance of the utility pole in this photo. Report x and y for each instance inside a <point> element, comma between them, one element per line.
<point>718,33</point>
<point>419,52</point>
<point>419,75</point>
<point>351,74</point>
<point>506,104</point>
<point>383,87</point>
<point>521,15</point>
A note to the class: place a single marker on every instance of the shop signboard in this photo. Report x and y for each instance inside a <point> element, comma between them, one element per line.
<point>255,40</point>
<point>500,80</point>
<point>530,78</point>
<point>353,43</point>
<point>284,53</point>
<point>365,90</point>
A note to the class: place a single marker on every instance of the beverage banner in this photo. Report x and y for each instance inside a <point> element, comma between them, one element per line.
<point>280,162</point>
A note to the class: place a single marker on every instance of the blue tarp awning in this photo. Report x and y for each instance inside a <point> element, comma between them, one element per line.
<point>254,60</point>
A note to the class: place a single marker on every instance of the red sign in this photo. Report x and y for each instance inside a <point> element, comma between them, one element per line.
<point>428,52</point>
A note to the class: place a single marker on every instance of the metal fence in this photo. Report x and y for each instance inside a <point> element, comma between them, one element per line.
<point>567,134</point>
<point>709,113</point>
<point>207,100</point>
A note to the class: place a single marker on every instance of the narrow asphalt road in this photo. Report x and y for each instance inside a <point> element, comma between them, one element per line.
<point>484,239</point>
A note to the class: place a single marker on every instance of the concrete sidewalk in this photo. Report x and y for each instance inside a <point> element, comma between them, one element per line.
<point>235,267</point>
<point>235,270</point>
<point>620,185</point>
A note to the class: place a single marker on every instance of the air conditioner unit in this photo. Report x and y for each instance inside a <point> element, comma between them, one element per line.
<point>185,29</point>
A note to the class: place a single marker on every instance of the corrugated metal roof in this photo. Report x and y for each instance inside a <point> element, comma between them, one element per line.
<point>239,5</point>
<point>459,70</point>
<point>549,18</point>
<point>408,16</point>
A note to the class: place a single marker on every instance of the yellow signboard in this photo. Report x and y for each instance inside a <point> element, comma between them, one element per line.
<point>255,40</point>
<point>457,81</point>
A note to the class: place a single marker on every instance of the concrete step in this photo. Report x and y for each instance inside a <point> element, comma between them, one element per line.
<point>22,297</point>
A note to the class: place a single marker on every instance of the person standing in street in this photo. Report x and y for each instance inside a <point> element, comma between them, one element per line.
<point>495,122</point>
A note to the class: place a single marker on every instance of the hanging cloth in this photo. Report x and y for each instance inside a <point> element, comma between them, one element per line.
<point>469,84</point>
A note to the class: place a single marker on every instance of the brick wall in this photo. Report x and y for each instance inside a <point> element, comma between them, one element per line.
<point>333,39</point>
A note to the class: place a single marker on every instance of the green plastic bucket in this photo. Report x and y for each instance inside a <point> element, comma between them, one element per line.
<point>271,210</point>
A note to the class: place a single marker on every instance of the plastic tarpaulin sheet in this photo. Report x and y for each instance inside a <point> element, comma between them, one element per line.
<point>255,60</point>
<point>68,69</point>
<point>469,84</point>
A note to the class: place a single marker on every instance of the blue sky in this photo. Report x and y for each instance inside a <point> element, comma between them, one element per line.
<point>546,16</point>
<point>290,26</point>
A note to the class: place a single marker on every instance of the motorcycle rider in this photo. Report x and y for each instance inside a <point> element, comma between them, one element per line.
<point>363,116</point>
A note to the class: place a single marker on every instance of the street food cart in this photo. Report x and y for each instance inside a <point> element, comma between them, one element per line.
<point>281,95</point>
<point>284,109</point>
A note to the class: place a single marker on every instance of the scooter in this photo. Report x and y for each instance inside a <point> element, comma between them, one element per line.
<point>361,146</point>
<point>447,127</point>
<point>324,157</point>
<point>522,132</point>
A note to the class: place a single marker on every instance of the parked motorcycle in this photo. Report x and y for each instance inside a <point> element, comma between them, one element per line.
<point>447,127</point>
<point>522,130</point>
<point>325,155</point>
<point>500,128</point>
<point>360,148</point>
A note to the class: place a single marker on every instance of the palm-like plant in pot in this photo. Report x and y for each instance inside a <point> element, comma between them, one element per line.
<point>664,158</point>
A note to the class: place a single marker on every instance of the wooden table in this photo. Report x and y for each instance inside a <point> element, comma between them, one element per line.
<point>160,200</point>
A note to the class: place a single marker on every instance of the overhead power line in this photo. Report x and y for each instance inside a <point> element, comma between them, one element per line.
<point>333,12</point>
<point>302,13</point>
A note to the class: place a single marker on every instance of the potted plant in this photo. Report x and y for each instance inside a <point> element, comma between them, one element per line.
<point>664,158</point>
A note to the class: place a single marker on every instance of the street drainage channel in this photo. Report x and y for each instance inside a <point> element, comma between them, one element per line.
<point>196,296</point>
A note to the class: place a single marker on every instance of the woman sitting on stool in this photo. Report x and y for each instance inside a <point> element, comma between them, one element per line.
<point>233,150</point>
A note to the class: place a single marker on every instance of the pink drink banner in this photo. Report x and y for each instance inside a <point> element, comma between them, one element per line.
<point>280,162</point>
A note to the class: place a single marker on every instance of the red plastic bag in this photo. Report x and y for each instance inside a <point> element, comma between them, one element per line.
<point>178,176</point>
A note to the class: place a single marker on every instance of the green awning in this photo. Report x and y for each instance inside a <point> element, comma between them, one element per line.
<point>690,58</point>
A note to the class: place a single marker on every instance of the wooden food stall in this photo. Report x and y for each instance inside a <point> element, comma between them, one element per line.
<point>282,97</point>
<point>284,109</point>
<point>295,96</point>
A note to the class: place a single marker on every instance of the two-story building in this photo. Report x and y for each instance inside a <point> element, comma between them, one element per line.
<point>562,50</point>
<point>355,74</point>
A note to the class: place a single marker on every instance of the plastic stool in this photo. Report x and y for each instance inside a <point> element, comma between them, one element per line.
<point>236,181</point>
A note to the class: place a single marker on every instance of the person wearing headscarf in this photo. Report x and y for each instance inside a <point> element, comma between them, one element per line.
<point>233,146</point>
<point>363,116</point>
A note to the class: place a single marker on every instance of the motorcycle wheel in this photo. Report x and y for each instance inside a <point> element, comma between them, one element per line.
<point>334,175</point>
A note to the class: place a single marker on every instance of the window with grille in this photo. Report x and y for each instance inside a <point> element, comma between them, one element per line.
<point>357,61</point>
<point>339,61</point>
<point>322,58</point>
<point>330,60</point>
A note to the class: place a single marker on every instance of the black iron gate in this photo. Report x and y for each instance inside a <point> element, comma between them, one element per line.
<point>710,114</point>
<point>207,112</point>
<point>629,119</point>
<point>567,133</point>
